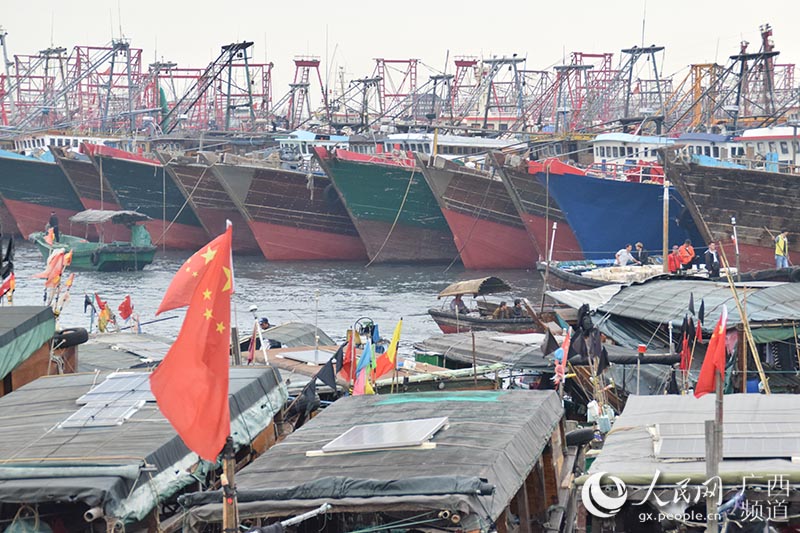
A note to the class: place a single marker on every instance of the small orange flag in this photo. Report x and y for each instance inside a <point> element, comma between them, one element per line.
<point>183,285</point>
<point>191,383</point>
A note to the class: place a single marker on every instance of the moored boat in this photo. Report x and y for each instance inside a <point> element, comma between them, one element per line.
<point>606,212</point>
<point>208,198</point>
<point>451,320</point>
<point>103,256</point>
<point>390,205</point>
<point>32,189</point>
<point>292,215</point>
<point>761,202</point>
<point>537,208</point>
<point>142,184</point>
<point>487,228</point>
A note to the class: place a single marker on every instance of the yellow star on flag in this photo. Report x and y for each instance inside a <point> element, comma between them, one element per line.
<point>227,272</point>
<point>194,274</point>
<point>206,294</point>
<point>208,314</point>
<point>220,327</point>
<point>209,255</point>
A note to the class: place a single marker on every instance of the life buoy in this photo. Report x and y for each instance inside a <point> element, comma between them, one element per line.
<point>70,337</point>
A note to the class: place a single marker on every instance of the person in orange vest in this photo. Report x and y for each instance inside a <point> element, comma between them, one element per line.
<point>673,260</point>
<point>686,254</point>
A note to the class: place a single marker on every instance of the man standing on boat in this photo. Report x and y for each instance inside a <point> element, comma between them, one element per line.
<point>782,250</point>
<point>53,223</point>
<point>686,254</point>
<point>624,256</point>
<point>674,260</point>
<point>712,260</point>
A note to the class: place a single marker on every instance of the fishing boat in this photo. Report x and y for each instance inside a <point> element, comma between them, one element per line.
<point>101,256</point>
<point>487,228</point>
<point>390,205</point>
<point>588,274</point>
<point>761,200</point>
<point>32,189</point>
<point>480,318</point>
<point>144,185</point>
<point>292,215</point>
<point>608,210</point>
<point>93,190</point>
<point>537,208</point>
<point>208,198</point>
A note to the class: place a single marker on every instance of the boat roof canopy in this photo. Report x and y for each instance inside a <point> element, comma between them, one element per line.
<point>476,287</point>
<point>100,216</point>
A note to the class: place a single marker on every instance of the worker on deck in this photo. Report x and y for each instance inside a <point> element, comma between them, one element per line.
<point>458,306</point>
<point>53,223</point>
<point>674,260</point>
<point>782,250</point>
<point>686,254</point>
<point>502,311</point>
<point>518,311</point>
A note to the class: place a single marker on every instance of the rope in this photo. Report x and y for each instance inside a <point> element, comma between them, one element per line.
<point>476,212</point>
<point>396,218</point>
<point>196,185</point>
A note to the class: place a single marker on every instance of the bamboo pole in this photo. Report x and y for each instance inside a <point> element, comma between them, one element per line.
<point>748,333</point>
<point>230,511</point>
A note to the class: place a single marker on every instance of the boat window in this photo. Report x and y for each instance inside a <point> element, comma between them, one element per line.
<point>772,146</point>
<point>630,150</point>
<point>784,147</point>
<point>615,151</point>
<point>707,150</point>
<point>74,143</point>
<point>646,152</point>
<point>503,127</point>
<point>797,146</point>
<point>715,151</point>
<point>760,147</point>
<point>427,148</point>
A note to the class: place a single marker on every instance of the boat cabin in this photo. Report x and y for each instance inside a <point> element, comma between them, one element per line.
<point>778,144</point>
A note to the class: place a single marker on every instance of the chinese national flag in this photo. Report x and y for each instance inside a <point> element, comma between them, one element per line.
<point>191,383</point>
<point>183,285</point>
<point>714,363</point>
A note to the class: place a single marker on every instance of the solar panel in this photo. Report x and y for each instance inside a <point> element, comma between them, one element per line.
<point>386,435</point>
<point>754,440</point>
<point>307,356</point>
<point>119,386</point>
<point>102,414</point>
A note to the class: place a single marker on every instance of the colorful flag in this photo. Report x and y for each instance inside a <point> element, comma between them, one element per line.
<point>691,302</point>
<point>50,236</point>
<point>346,360</point>
<point>561,366</point>
<point>186,280</point>
<point>366,357</point>
<point>326,375</point>
<point>714,363</point>
<point>191,383</point>
<point>125,308</point>
<point>391,352</point>
<point>7,285</point>
<point>251,351</point>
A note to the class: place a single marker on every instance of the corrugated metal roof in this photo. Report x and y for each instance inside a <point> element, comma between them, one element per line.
<point>664,301</point>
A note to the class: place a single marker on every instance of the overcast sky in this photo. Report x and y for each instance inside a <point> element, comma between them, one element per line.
<point>350,34</point>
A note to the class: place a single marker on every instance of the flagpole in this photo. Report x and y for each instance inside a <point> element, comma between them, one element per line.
<point>230,511</point>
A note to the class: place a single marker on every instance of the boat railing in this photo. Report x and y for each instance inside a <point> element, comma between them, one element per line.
<point>630,170</point>
<point>780,167</point>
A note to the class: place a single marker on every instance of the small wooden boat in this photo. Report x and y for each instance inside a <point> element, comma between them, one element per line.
<point>588,274</point>
<point>100,256</point>
<point>480,318</point>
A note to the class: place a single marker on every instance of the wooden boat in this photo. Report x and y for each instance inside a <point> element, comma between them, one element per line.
<point>481,319</point>
<point>101,256</point>
<point>587,274</point>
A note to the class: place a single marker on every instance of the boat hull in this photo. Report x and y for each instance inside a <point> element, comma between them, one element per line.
<point>607,214</point>
<point>145,186</point>
<point>762,202</point>
<point>392,208</point>
<point>293,216</point>
<point>449,323</point>
<point>538,211</point>
<point>487,229</point>
<point>211,201</point>
<point>32,189</point>
<point>559,279</point>
<point>87,256</point>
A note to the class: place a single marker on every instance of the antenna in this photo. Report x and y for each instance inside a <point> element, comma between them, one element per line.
<point>644,20</point>
<point>119,18</point>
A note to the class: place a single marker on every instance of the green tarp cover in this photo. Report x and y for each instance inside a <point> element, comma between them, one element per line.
<point>22,331</point>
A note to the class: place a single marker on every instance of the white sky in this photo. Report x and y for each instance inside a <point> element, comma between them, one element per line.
<point>190,33</point>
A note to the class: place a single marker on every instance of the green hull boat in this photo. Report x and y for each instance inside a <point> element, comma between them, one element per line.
<point>100,256</point>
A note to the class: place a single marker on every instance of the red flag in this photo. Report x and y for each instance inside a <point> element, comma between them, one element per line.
<point>191,383</point>
<point>714,363</point>
<point>251,352</point>
<point>100,303</point>
<point>685,352</point>
<point>183,285</point>
<point>348,357</point>
<point>125,308</point>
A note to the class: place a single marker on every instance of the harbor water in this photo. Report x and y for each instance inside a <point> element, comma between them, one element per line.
<point>332,294</point>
